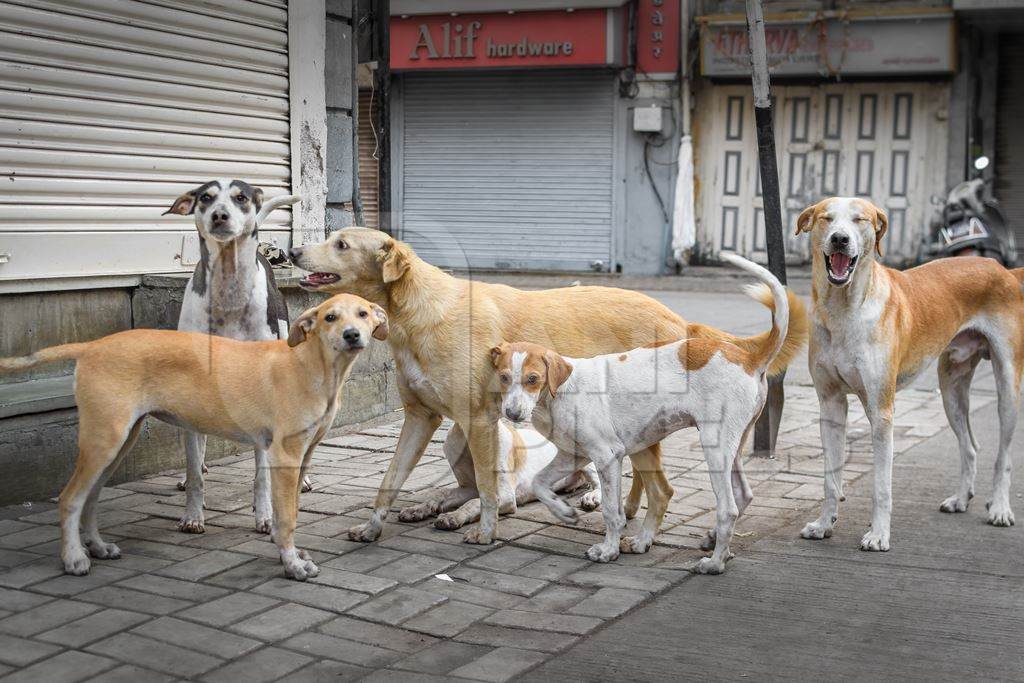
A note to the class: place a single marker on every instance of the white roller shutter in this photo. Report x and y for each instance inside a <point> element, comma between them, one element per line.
<point>109,109</point>
<point>509,170</point>
<point>1009,175</point>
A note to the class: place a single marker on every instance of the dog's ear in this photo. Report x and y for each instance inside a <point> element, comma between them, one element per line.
<point>380,332</point>
<point>881,226</point>
<point>183,205</point>
<point>394,261</point>
<point>301,328</point>
<point>257,198</point>
<point>805,223</point>
<point>496,353</point>
<point>558,370</point>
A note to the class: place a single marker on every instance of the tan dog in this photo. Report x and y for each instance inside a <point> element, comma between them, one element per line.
<point>275,395</point>
<point>442,331</point>
<point>875,329</point>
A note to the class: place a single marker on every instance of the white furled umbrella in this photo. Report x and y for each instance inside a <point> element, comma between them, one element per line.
<point>684,224</point>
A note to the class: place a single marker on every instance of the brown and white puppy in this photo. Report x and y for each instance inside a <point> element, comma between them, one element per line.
<point>874,329</point>
<point>442,331</point>
<point>280,396</point>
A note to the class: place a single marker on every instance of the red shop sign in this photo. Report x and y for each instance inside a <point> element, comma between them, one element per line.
<point>555,38</point>
<point>657,36</point>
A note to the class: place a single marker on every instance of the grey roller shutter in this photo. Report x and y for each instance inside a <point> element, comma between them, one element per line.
<point>109,109</point>
<point>1009,185</point>
<point>509,170</point>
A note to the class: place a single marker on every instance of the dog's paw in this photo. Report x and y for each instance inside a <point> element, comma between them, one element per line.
<point>709,565</point>
<point>875,541</point>
<point>477,536</point>
<point>364,533</point>
<point>591,500</point>
<point>708,542</point>
<point>953,504</point>
<point>301,568</point>
<point>192,525</point>
<point>103,551</point>
<point>415,513</point>
<point>263,524</point>
<point>601,552</point>
<point>635,545</point>
<point>1000,514</point>
<point>563,512</point>
<point>181,485</point>
<point>307,484</point>
<point>76,563</point>
<point>448,521</point>
<point>816,530</point>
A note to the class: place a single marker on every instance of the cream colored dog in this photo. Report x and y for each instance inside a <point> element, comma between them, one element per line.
<point>442,331</point>
<point>875,329</point>
<point>275,395</point>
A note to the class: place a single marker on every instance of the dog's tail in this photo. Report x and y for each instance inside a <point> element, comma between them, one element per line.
<point>275,203</point>
<point>777,347</point>
<point>50,355</point>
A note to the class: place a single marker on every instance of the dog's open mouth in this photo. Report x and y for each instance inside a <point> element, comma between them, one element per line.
<point>839,267</point>
<point>319,280</point>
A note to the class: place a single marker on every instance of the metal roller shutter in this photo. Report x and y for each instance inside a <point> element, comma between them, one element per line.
<point>109,109</point>
<point>509,170</point>
<point>369,158</point>
<point>1010,134</point>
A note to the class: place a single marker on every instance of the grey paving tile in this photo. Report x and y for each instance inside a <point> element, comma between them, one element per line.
<point>552,567</point>
<point>88,629</point>
<point>19,601</point>
<point>22,651</point>
<point>12,558</point>
<point>281,622</point>
<point>205,565</point>
<point>11,526</point>
<point>377,634</point>
<point>326,671</point>
<point>312,594</point>
<point>396,676</point>
<point>268,664</point>
<point>33,535</point>
<point>617,576</point>
<point>365,559</point>
<point>140,563</point>
<point>126,673</point>
<point>559,623</point>
<point>34,571</point>
<point>322,645</point>
<point>197,638</point>
<point>335,546</point>
<point>153,654</point>
<point>248,575</point>
<point>448,619</point>
<point>44,617</point>
<point>398,605</point>
<point>173,588</point>
<point>119,596</point>
<point>447,551</point>
<point>441,657</point>
<point>503,583</point>
<point>67,667</point>
<point>364,583</point>
<point>505,559</point>
<point>556,598</point>
<point>500,665</point>
<point>230,608</point>
<point>609,603</point>
<point>67,585</point>
<point>466,592</point>
<point>502,636</point>
<point>161,551</point>
<point>413,568</point>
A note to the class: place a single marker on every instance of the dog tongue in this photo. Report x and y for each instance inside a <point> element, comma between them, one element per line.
<point>840,264</point>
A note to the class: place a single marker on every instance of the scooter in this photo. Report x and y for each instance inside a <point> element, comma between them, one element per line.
<point>969,224</point>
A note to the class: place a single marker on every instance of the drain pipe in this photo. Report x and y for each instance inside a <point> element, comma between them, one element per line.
<point>684,224</point>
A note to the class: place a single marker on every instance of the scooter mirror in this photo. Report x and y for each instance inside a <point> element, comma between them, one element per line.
<point>981,163</point>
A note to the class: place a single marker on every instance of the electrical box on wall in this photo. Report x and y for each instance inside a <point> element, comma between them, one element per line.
<point>647,119</point>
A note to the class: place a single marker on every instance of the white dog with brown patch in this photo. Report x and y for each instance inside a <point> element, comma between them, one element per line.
<point>875,329</point>
<point>604,408</point>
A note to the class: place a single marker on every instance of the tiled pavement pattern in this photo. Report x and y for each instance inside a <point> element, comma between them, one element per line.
<point>215,607</point>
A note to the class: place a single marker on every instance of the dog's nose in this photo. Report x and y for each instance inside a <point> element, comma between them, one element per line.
<point>294,252</point>
<point>351,335</point>
<point>514,415</point>
<point>839,240</point>
<point>219,216</point>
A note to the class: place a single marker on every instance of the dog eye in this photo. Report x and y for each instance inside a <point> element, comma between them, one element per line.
<point>241,199</point>
<point>330,318</point>
<point>207,197</point>
<point>532,379</point>
<point>341,245</point>
<point>363,314</point>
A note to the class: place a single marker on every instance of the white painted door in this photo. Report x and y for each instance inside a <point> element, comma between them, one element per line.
<point>882,141</point>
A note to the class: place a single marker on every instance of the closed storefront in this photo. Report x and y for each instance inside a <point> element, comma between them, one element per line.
<point>112,108</point>
<point>1009,139</point>
<point>861,109</point>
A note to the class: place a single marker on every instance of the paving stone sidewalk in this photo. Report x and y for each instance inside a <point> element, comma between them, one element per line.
<point>216,607</point>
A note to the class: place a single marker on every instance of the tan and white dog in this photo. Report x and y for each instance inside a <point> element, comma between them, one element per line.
<point>442,330</point>
<point>279,395</point>
<point>604,408</point>
<point>875,329</point>
<point>524,453</point>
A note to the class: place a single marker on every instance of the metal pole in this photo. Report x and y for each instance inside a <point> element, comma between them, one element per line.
<point>382,30</point>
<point>767,428</point>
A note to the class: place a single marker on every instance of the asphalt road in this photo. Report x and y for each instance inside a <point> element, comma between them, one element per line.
<point>946,603</point>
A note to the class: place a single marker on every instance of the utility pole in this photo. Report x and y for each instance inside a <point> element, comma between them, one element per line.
<point>766,430</point>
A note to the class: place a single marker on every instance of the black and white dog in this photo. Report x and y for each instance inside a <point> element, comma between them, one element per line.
<point>232,293</point>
